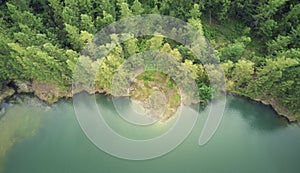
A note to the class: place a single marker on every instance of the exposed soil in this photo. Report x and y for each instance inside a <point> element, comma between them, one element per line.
<point>157,93</point>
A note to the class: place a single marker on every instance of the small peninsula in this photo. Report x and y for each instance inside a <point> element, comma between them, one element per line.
<point>157,93</point>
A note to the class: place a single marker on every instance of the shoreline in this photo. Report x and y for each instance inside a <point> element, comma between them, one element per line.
<point>279,111</point>
<point>54,96</point>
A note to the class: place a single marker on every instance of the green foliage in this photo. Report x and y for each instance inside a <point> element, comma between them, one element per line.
<point>74,37</point>
<point>205,92</point>
<point>154,43</point>
<point>279,80</point>
<point>137,8</point>
<point>195,12</point>
<point>83,76</point>
<point>70,16</point>
<point>57,10</point>
<point>233,52</point>
<point>42,40</point>
<point>265,23</point>
<point>147,75</point>
<point>105,20</point>
<point>279,44</point>
<point>170,84</point>
<point>87,23</point>
<point>131,47</point>
<point>124,10</point>
<point>25,17</point>
<point>242,73</point>
<point>106,70</point>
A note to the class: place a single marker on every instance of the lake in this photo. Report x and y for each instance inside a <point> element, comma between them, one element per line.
<point>251,138</point>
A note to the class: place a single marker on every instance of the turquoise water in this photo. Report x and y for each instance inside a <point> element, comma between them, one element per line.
<point>251,138</point>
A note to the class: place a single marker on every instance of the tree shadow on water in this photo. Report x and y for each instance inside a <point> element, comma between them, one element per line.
<point>258,116</point>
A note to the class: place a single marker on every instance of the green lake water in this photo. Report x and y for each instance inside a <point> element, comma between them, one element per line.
<point>251,138</point>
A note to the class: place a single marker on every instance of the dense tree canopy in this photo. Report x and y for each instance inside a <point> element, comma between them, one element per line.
<point>42,41</point>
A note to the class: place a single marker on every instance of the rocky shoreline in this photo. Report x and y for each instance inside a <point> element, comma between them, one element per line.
<point>50,93</point>
<point>6,93</point>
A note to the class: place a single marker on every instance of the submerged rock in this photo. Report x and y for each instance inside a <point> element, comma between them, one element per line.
<point>2,111</point>
<point>6,93</point>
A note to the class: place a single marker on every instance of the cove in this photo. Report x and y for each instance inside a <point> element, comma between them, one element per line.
<point>251,138</point>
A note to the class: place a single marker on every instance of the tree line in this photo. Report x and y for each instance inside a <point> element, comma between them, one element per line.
<point>41,40</point>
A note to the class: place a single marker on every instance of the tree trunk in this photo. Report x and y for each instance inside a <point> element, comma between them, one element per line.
<point>209,16</point>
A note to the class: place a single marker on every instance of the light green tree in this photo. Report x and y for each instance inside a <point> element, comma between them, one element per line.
<point>243,72</point>
<point>137,8</point>
<point>124,10</point>
<point>74,37</point>
<point>154,43</point>
<point>87,23</point>
<point>195,12</point>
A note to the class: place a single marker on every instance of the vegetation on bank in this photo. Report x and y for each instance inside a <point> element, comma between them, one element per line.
<point>158,93</point>
<point>258,45</point>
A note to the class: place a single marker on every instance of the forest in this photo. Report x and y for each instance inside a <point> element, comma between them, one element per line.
<point>256,42</point>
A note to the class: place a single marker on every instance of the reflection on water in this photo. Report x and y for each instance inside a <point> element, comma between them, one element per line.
<point>128,129</point>
<point>258,116</point>
<point>251,138</point>
<point>19,121</point>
